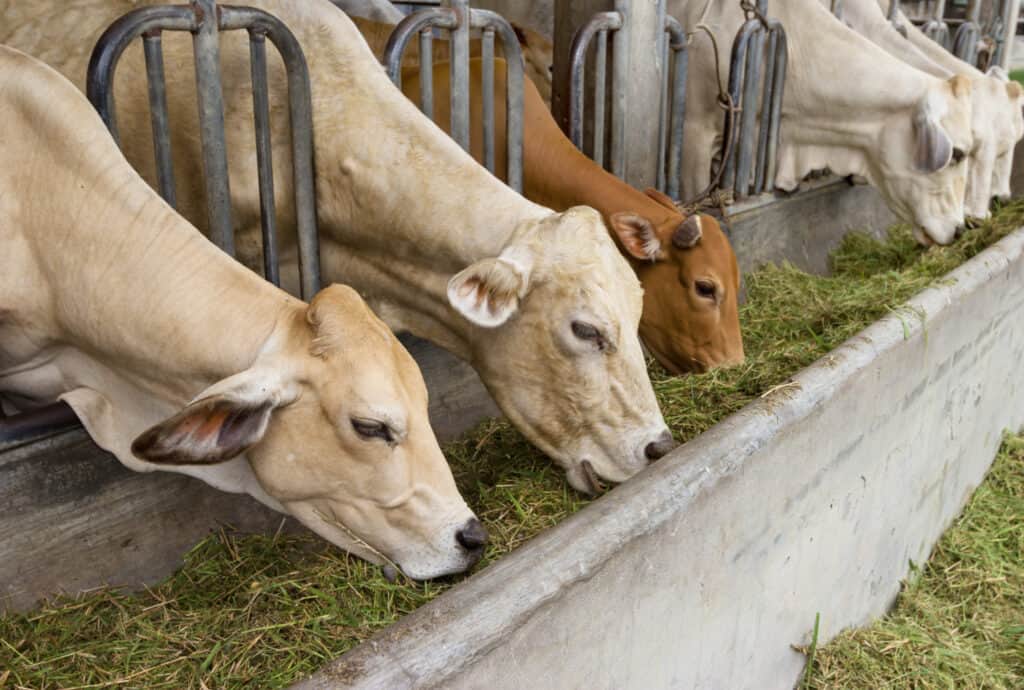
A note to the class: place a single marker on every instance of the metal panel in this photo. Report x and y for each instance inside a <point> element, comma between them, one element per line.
<point>456,17</point>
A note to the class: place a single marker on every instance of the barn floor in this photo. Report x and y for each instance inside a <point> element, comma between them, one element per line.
<point>959,621</point>
<point>276,607</point>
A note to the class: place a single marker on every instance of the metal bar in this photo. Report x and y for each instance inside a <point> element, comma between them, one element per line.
<point>659,173</point>
<point>514,76</point>
<point>894,8</point>
<point>210,99</point>
<point>458,41</point>
<point>761,163</point>
<point>25,427</point>
<point>603,21</point>
<point>158,116</point>
<point>837,8</point>
<point>680,68</point>
<point>737,72</point>
<point>264,154</point>
<point>300,113</point>
<point>441,17</point>
<point>749,114</point>
<point>778,90</point>
<point>600,106</point>
<point>105,55</point>
<point>427,72</point>
<point>487,95</point>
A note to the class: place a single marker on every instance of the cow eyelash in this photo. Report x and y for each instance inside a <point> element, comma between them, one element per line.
<point>584,331</point>
<point>368,428</point>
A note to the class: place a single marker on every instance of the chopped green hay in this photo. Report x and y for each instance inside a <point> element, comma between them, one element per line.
<point>267,610</point>
<point>959,621</point>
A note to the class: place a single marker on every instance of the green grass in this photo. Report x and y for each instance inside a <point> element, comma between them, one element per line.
<point>959,621</point>
<point>1017,75</point>
<point>274,608</point>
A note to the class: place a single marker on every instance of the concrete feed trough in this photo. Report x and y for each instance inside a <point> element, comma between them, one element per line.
<point>702,571</point>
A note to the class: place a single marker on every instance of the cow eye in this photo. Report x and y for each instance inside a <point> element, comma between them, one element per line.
<point>958,155</point>
<point>705,289</point>
<point>584,331</point>
<point>368,428</point>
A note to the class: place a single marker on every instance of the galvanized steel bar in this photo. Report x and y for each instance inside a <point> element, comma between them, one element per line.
<point>458,65</point>
<point>748,117</point>
<point>264,155</point>
<point>737,76</point>
<point>427,72</point>
<point>894,9</point>
<point>300,114</point>
<point>111,44</point>
<point>33,425</point>
<point>659,179</point>
<point>761,163</point>
<point>158,116</point>
<point>777,93</point>
<point>601,22</point>
<point>836,7</point>
<point>677,110</point>
<point>600,84</point>
<point>487,95</point>
<point>514,76</point>
<point>440,17</point>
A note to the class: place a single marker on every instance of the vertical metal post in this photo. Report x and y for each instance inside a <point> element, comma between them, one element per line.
<point>211,125</point>
<point>459,79</point>
<point>600,84</point>
<point>264,159</point>
<point>426,72</point>
<point>158,116</point>
<point>487,95</point>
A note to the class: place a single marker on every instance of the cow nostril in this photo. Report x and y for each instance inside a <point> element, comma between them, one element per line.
<point>960,230</point>
<point>661,447</point>
<point>472,536</point>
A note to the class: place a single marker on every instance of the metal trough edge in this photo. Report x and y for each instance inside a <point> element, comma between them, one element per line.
<point>698,573</point>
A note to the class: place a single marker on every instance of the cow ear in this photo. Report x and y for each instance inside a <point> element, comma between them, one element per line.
<point>637,236</point>
<point>933,148</point>
<point>1014,90</point>
<point>688,233</point>
<point>663,199</point>
<point>226,419</point>
<point>488,291</point>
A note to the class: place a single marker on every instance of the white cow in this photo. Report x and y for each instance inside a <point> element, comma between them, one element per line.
<point>848,106</point>
<point>541,303</point>
<point>988,98</point>
<point>177,358</point>
<point>1002,102</point>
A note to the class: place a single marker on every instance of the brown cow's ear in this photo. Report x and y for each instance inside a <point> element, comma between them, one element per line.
<point>687,234</point>
<point>206,432</point>
<point>637,236</point>
<point>663,199</point>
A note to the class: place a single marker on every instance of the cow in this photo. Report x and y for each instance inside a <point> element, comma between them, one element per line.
<point>848,106</point>
<point>688,270</point>
<point>177,358</point>
<point>989,98</point>
<point>540,303</point>
<point>1001,112</point>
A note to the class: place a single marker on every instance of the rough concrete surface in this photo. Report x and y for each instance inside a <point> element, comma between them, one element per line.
<point>704,569</point>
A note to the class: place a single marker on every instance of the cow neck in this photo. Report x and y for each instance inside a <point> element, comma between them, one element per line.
<point>156,300</point>
<point>558,175</point>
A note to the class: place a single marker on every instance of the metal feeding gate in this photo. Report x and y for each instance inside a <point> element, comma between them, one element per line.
<point>672,101</point>
<point>757,76</point>
<point>205,19</point>
<point>459,20</point>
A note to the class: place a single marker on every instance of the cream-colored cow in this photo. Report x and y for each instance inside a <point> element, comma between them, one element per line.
<point>988,98</point>
<point>177,358</point>
<point>848,106</point>
<point>1001,111</point>
<point>540,303</point>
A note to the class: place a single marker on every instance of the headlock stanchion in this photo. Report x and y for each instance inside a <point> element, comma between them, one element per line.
<point>672,95</point>
<point>456,17</point>
<point>757,75</point>
<point>965,40</point>
<point>936,28</point>
<point>836,7</point>
<point>205,19</point>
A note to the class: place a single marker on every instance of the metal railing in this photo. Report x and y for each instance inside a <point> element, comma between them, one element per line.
<point>967,36</point>
<point>672,102</point>
<point>458,19</point>
<point>204,19</point>
<point>757,76</point>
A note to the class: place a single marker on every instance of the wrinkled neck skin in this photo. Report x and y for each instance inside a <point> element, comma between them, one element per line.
<point>138,312</point>
<point>419,235</point>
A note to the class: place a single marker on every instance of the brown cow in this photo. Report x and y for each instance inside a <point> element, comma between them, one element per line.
<point>688,270</point>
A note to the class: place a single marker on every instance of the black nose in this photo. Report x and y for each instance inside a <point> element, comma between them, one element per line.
<point>960,230</point>
<point>661,447</point>
<point>472,536</point>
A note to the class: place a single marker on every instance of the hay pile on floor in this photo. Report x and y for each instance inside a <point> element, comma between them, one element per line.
<point>275,608</point>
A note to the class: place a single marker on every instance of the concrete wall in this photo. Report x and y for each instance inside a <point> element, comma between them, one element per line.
<point>703,570</point>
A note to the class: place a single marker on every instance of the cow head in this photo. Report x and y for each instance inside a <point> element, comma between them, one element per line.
<point>690,279</point>
<point>558,311</point>
<point>920,163</point>
<point>334,424</point>
<point>1008,122</point>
